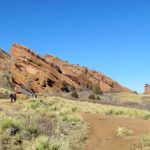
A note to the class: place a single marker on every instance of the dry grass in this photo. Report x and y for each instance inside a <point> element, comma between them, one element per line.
<point>131,96</point>
<point>53,117</point>
<point>3,90</point>
<point>42,118</point>
<point>123,132</point>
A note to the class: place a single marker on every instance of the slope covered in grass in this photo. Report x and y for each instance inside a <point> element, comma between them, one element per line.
<point>46,123</point>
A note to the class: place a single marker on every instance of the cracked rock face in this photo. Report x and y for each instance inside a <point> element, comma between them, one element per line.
<point>33,73</point>
<point>4,57</point>
<point>85,76</point>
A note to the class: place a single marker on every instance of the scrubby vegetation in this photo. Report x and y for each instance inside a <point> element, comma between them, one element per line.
<point>143,143</point>
<point>41,124</point>
<point>53,123</point>
<point>3,90</point>
<point>97,90</point>
<point>72,88</point>
<point>74,94</point>
<point>133,97</point>
<point>123,132</point>
<point>65,86</point>
<point>91,96</point>
<point>90,87</point>
<point>97,98</point>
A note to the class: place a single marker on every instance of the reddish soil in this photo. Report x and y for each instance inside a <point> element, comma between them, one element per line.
<point>103,128</point>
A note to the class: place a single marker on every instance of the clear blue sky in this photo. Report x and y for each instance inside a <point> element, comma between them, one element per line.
<point>110,36</point>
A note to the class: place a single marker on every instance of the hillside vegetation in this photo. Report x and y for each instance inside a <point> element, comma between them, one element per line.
<point>46,123</point>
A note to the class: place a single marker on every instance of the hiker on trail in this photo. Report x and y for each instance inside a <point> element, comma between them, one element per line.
<point>11,97</point>
<point>32,94</point>
<point>15,97</point>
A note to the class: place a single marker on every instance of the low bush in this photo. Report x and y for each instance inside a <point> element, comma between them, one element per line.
<point>97,90</point>
<point>41,143</point>
<point>145,140</point>
<point>71,119</point>
<point>97,98</point>
<point>72,88</point>
<point>74,94</point>
<point>34,130</point>
<point>91,96</point>
<point>74,109</point>
<point>6,123</point>
<point>119,112</point>
<point>146,116</point>
<point>109,111</point>
<point>123,132</point>
<point>65,86</point>
<point>91,87</point>
<point>143,143</point>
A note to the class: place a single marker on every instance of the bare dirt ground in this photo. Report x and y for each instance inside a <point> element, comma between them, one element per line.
<point>103,131</point>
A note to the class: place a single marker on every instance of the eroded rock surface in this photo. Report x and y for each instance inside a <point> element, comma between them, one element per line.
<point>30,72</point>
<point>84,76</point>
<point>33,73</point>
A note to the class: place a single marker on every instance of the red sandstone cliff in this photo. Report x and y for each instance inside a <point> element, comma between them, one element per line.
<point>84,76</point>
<point>4,57</point>
<point>33,73</point>
<point>147,89</point>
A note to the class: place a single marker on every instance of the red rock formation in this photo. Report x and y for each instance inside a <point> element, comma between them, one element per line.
<point>33,73</point>
<point>4,57</point>
<point>84,76</point>
<point>147,89</point>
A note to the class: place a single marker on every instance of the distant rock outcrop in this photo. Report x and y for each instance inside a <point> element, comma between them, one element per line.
<point>147,89</point>
<point>30,72</point>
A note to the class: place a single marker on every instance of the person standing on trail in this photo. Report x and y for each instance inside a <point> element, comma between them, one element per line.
<point>11,97</point>
<point>15,97</point>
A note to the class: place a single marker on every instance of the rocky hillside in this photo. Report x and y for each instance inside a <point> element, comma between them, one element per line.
<point>33,73</point>
<point>84,76</point>
<point>3,58</point>
<point>5,62</point>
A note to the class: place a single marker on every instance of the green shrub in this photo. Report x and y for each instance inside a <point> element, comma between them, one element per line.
<point>146,116</point>
<point>65,86</point>
<point>135,92</point>
<point>109,111</point>
<point>72,119</point>
<point>74,109</point>
<point>97,98</point>
<point>53,108</point>
<point>119,112</point>
<point>55,146</point>
<point>145,140</point>
<point>97,90</point>
<point>91,96</point>
<point>72,88</point>
<point>6,123</point>
<point>91,87</point>
<point>33,130</point>
<point>41,143</point>
<point>123,132</point>
<point>74,94</point>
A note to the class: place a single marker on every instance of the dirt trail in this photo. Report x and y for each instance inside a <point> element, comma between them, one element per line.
<point>102,133</point>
